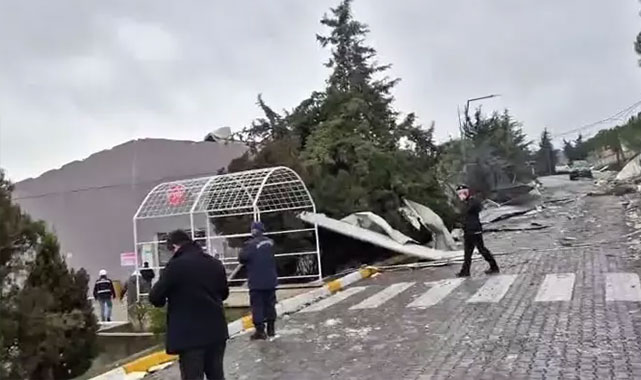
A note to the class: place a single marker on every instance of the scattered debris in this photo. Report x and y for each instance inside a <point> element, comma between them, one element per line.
<point>534,211</point>
<point>159,367</point>
<point>356,348</point>
<point>567,241</point>
<point>292,331</point>
<point>559,201</point>
<point>332,322</point>
<point>617,189</point>
<point>517,227</point>
<point>513,193</point>
<point>360,333</point>
<point>495,214</point>
<point>604,175</point>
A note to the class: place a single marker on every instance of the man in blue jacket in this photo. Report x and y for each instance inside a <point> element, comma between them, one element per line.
<point>258,257</point>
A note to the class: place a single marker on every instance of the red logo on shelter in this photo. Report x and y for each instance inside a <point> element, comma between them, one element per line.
<point>176,195</point>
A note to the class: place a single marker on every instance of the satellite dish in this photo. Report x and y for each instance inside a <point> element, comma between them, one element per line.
<point>219,134</point>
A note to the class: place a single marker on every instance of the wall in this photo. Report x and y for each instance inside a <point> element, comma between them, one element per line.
<point>89,204</point>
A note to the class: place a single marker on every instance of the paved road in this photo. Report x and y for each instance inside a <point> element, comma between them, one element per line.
<point>566,305</point>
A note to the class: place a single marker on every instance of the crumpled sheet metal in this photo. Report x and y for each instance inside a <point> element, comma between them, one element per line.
<point>428,218</point>
<point>376,238</point>
<point>631,170</point>
<point>373,222</point>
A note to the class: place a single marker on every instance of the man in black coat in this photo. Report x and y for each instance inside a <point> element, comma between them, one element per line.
<point>194,285</point>
<point>258,256</point>
<point>473,233</point>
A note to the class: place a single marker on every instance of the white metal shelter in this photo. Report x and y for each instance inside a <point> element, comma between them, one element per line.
<point>195,204</point>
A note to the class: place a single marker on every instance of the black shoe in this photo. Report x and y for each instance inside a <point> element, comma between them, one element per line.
<point>258,335</point>
<point>492,271</point>
<point>461,275</point>
<point>271,329</point>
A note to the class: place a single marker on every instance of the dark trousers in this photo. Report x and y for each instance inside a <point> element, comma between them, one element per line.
<point>198,363</point>
<point>263,304</point>
<point>469,242</point>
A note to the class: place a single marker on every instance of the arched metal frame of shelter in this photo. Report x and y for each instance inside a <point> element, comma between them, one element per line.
<point>248,193</point>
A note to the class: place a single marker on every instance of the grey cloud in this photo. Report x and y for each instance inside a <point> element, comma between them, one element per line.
<point>85,76</point>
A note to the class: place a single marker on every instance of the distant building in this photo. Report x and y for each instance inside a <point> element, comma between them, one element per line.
<point>90,204</point>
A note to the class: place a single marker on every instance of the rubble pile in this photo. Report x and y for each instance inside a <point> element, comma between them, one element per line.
<point>632,205</point>
<point>627,181</point>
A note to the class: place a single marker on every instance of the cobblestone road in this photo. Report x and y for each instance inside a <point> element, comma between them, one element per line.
<point>529,323</point>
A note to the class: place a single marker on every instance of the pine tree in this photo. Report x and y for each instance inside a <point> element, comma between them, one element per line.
<point>498,151</point>
<point>57,334</point>
<point>546,155</point>
<point>19,236</point>
<point>630,134</point>
<point>351,147</point>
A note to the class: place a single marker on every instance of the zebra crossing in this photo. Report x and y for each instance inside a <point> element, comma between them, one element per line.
<point>555,287</point>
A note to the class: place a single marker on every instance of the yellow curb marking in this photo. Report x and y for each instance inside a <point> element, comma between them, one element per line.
<point>146,362</point>
<point>247,322</point>
<point>334,286</point>
<point>366,272</point>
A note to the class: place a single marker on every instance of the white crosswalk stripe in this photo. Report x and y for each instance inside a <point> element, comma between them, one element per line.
<point>494,289</point>
<point>438,291</point>
<point>334,299</point>
<point>556,287</point>
<point>383,296</point>
<point>622,287</point>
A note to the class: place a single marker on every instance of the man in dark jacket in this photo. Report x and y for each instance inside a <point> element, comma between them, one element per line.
<point>147,273</point>
<point>104,293</point>
<point>194,285</point>
<point>258,256</point>
<point>135,284</point>
<point>473,233</point>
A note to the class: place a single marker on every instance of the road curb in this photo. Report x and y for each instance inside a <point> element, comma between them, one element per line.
<point>138,368</point>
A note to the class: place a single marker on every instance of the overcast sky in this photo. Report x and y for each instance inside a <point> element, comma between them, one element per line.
<point>78,76</point>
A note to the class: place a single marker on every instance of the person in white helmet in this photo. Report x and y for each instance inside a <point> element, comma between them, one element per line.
<point>104,293</point>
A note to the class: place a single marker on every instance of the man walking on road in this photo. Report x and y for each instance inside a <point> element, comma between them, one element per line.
<point>473,233</point>
<point>258,256</point>
<point>104,293</point>
<point>194,286</point>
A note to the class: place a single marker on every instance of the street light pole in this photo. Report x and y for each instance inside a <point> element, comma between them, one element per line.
<point>467,110</point>
<point>467,105</point>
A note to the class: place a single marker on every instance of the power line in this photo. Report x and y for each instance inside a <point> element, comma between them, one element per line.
<point>116,185</point>
<point>624,114</point>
